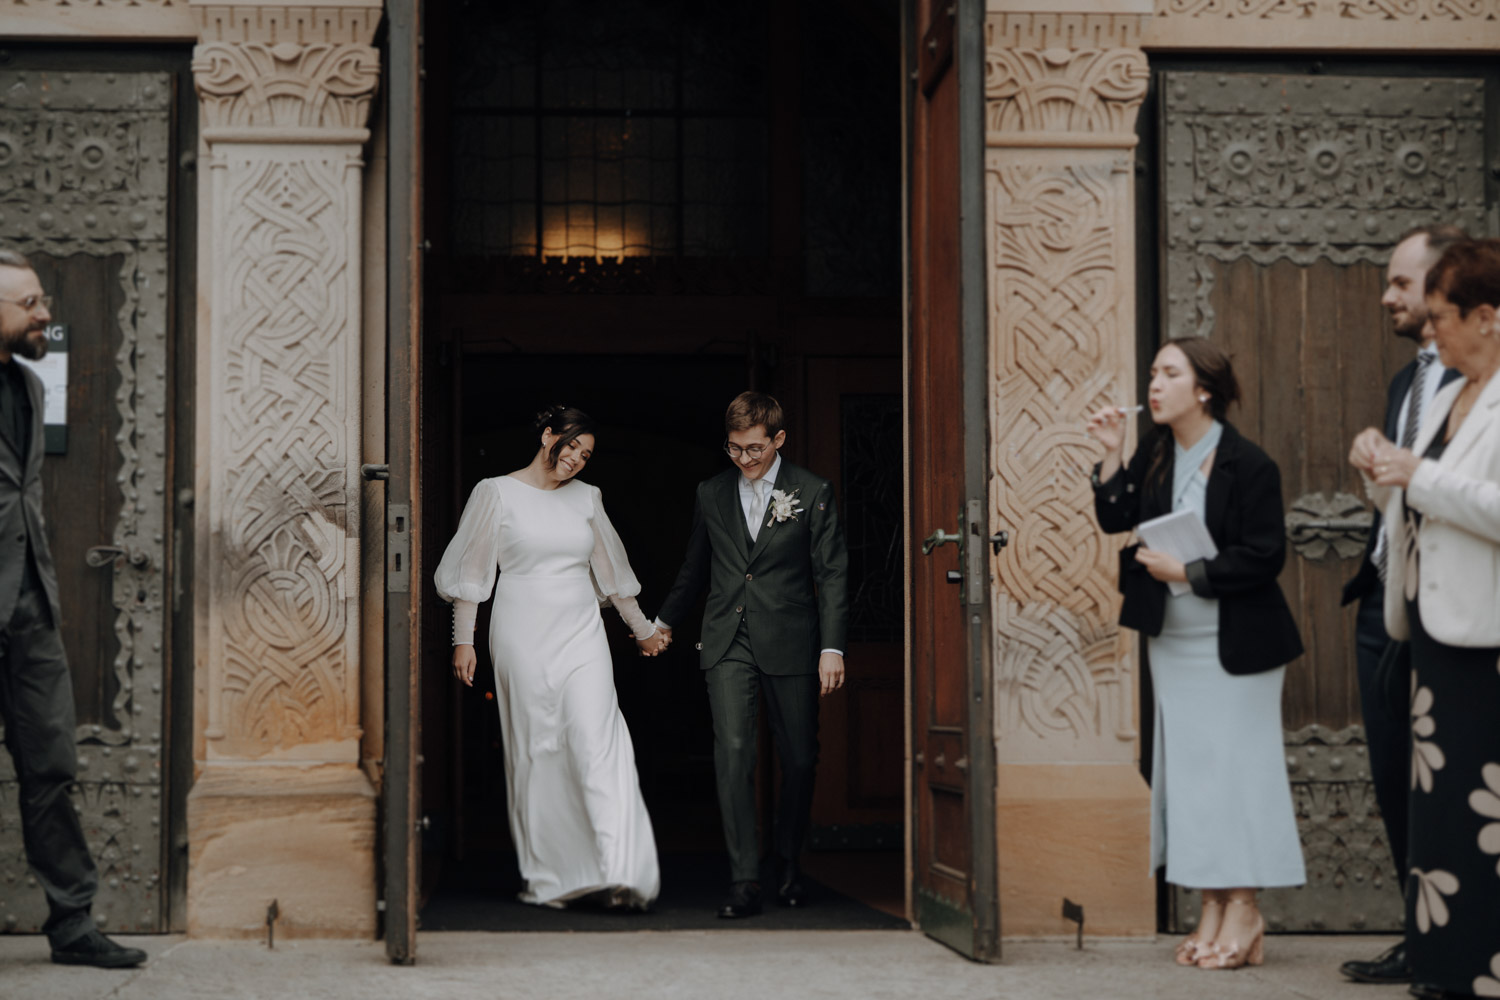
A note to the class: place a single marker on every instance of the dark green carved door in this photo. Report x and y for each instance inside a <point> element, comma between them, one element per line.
<point>84,177</point>
<point>1284,195</point>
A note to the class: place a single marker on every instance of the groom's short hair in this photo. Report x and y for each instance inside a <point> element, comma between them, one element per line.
<point>753,409</point>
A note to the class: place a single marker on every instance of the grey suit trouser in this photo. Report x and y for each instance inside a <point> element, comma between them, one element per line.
<point>735,684</point>
<point>36,705</point>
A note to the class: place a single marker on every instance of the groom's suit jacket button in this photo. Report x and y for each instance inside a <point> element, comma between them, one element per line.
<point>740,610</point>
<point>749,576</point>
<point>698,646</point>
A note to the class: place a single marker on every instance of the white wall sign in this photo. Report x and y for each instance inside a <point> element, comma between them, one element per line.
<point>53,371</point>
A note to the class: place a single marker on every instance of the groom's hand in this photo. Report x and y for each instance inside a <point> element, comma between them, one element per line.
<point>830,672</point>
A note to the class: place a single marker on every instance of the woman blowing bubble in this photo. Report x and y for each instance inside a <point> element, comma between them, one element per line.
<point>1222,818</point>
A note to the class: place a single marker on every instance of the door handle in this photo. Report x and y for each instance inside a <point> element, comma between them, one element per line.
<point>939,537</point>
<point>106,555</point>
<point>999,540</point>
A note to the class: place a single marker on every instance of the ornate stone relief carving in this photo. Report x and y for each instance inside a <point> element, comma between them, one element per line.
<point>1062,75</point>
<point>1059,232</point>
<point>83,171</point>
<point>253,84</point>
<point>1060,244</point>
<point>1325,25</point>
<point>287,366</point>
<point>285,94</point>
<point>1384,10</point>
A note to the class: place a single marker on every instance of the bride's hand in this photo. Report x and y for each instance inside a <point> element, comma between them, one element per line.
<point>464,662</point>
<point>653,644</point>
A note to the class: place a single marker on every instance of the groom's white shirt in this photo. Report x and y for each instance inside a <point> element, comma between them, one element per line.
<point>747,497</point>
<point>747,493</point>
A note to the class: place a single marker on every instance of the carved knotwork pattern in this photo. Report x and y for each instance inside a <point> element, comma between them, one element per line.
<point>289,318</point>
<point>285,85</point>
<point>1063,90</point>
<point>1060,350</point>
<point>1060,679</point>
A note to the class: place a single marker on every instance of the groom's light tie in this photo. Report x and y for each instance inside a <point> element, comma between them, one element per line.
<point>757,506</point>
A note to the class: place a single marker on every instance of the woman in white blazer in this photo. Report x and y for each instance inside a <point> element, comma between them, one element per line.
<point>1441,502</point>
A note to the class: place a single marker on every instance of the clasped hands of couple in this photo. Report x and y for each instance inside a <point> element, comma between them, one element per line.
<point>830,665</point>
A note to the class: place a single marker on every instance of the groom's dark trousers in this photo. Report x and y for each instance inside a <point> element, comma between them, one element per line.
<point>774,603</point>
<point>734,684</point>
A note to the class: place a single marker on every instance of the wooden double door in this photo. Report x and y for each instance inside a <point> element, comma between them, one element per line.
<point>89,192</point>
<point>1282,194</point>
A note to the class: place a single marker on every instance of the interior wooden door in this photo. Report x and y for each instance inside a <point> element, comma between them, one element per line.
<point>854,436</point>
<point>952,752</point>
<point>1285,194</point>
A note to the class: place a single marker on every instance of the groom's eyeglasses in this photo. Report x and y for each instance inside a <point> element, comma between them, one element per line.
<point>734,451</point>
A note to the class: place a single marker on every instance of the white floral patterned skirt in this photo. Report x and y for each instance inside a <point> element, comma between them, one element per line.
<point>1453,888</point>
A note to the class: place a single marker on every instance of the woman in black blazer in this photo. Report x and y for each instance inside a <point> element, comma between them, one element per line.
<point>1222,816</point>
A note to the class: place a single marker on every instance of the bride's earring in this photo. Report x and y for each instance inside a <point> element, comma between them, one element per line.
<point>1202,399</point>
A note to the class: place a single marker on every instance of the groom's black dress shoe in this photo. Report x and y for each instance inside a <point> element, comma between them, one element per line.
<point>1434,993</point>
<point>99,951</point>
<point>743,901</point>
<point>1390,966</point>
<point>791,892</point>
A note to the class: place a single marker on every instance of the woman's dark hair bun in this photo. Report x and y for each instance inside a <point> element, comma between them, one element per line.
<point>544,418</point>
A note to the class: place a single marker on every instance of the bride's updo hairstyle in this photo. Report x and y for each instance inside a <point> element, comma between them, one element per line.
<point>569,424</point>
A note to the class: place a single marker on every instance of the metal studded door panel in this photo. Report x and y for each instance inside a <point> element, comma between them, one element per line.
<point>1284,195</point>
<point>84,178</point>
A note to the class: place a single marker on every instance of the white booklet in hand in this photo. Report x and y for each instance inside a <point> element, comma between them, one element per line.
<point>1181,535</point>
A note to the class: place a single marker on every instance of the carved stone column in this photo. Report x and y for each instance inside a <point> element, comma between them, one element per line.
<point>280,809</point>
<point>1061,93</point>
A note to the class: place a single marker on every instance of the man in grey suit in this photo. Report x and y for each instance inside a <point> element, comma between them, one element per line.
<point>36,694</point>
<point>767,544</point>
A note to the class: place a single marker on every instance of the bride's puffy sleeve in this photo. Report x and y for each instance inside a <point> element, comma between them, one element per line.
<point>466,574</point>
<point>614,581</point>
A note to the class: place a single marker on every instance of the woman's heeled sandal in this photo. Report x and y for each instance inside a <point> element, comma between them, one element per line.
<point>1191,949</point>
<point>1237,954</point>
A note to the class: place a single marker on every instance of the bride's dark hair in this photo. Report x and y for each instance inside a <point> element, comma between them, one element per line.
<point>569,424</point>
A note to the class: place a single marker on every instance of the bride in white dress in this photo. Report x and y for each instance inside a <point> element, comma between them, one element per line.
<point>540,540</point>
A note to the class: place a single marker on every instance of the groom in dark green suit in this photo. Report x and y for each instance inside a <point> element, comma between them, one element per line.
<point>767,544</point>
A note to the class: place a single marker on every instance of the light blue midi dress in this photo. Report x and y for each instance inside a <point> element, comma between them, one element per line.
<point>1221,804</point>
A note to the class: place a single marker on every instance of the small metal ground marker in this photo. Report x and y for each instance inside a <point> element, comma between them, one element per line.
<point>1072,911</point>
<point>272,912</point>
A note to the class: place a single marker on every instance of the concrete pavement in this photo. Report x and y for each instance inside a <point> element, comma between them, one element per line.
<point>701,965</point>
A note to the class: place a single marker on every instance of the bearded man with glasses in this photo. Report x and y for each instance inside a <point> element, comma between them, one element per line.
<point>767,545</point>
<point>36,693</point>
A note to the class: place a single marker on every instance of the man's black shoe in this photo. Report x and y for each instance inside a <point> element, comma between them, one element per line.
<point>743,901</point>
<point>791,891</point>
<point>1390,966</point>
<point>99,951</point>
<point>1434,993</point>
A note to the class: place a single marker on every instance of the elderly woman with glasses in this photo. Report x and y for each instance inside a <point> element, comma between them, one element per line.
<point>1442,520</point>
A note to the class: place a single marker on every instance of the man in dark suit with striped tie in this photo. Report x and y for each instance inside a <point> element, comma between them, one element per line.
<point>1409,396</point>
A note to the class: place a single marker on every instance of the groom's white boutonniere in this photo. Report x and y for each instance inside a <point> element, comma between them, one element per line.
<point>784,505</point>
